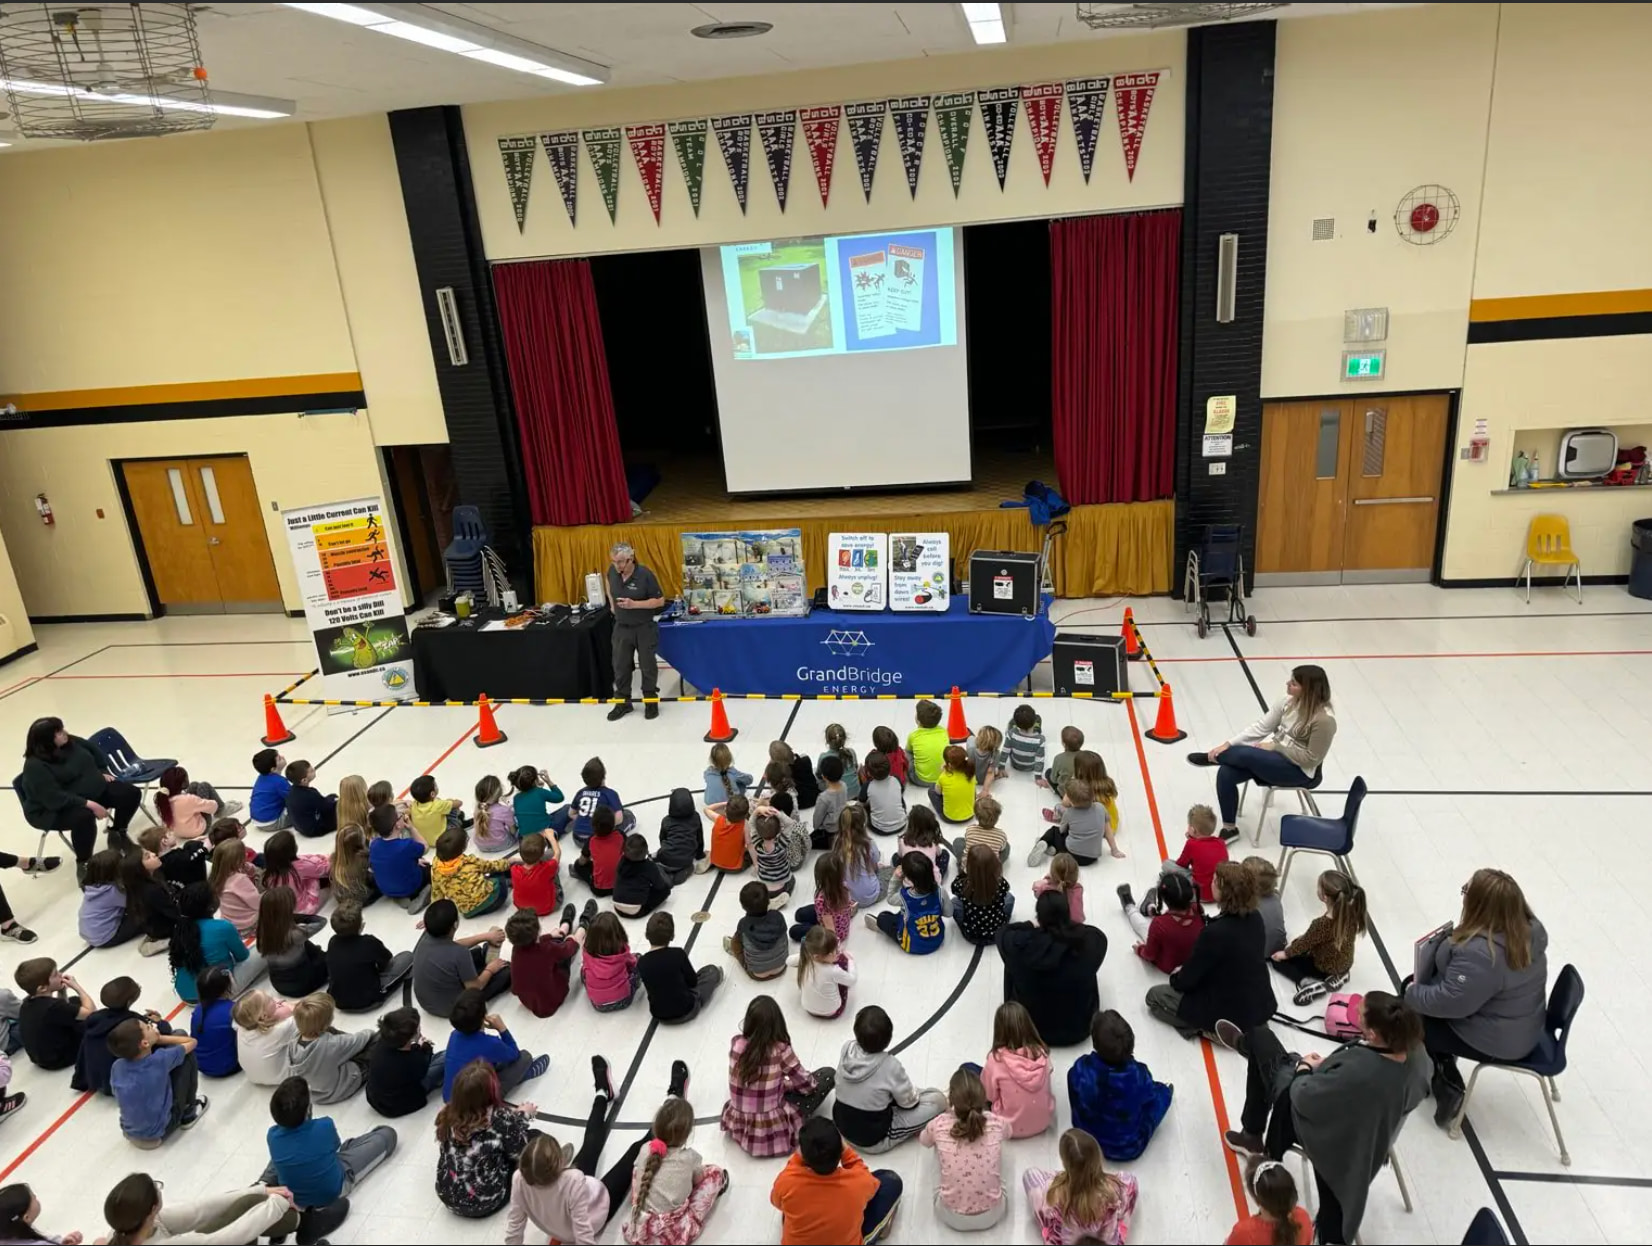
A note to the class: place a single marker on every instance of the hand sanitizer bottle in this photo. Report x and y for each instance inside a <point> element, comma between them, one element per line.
<point>1517,475</point>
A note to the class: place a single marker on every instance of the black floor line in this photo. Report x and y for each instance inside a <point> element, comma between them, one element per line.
<point>946,1004</point>
<point>1427,791</point>
<point>31,682</point>
<point>1573,1178</point>
<point>1499,1196</point>
<point>359,732</point>
<point>197,644</point>
<point>1452,618</point>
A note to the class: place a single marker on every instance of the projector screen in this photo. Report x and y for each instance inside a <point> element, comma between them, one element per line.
<point>839,360</point>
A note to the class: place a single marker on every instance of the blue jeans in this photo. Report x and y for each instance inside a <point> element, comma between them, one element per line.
<point>1239,763</point>
<point>874,1223</point>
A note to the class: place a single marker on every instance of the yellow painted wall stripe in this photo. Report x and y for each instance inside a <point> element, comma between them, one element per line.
<point>190,391</point>
<point>1543,306</point>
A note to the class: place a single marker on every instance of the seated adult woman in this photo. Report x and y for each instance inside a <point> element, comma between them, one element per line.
<point>1284,748</point>
<point>1481,985</point>
<point>1225,976</point>
<point>1050,968</point>
<point>1344,1109</point>
<point>135,1212</point>
<point>67,787</point>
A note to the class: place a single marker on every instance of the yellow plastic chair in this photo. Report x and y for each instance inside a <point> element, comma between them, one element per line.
<point>1549,544</point>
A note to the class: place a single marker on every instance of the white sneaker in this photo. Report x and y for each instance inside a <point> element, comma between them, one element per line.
<point>1039,852</point>
<point>153,947</point>
<point>231,808</point>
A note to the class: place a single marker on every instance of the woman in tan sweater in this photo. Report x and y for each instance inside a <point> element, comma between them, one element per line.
<point>1283,748</point>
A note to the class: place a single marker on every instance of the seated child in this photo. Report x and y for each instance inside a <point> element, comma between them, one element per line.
<point>397,857</point>
<point>235,883</point>
<point>212,1026</point>
<point>351,868</point>
<point>476,885</point>
<point>1202,852</point>
<point>1268,902</point>
<point>534,881</point>
<point>1061,769</point>
<point>885,741</point>
<point>778,846</point>
<point>826,1194</point>
<point>824,974</point>
<point>673,1192</point>
<point>267,806</point>
<point>188,809</point>
<point>541,964</point>
<point>923,834</point>
<point>308,811</point>
<point>864,873</point>
<point>431,814</point>
<point>984,830</point>
<point>443,965</point>
<point>1168,922</point>
<point>1024,741</point>
<point>600,853</point>
<point>182,861</point>
<point>985,751</point>
<point>882,795</point>
<point>334,1064</point>
<point>1063,877</point>
<point>804,785</point>
<point>728,834</point>
<point>404,1067</point>
<point>305,874</point>
<point>918,925</point>
<point>640,885</point>
<point>51,1024</point>
<point>953,796</point>
<point>103,919</point>
<point>306,1156</point>
<point>381,794</point>
<point>1017,1073</point>
<point>676,992</point>
<point>877,1106</point>
<point>495,816</point>
<point>532,801</point>
<point>353,805</point>
<point>1083,1200</point>
<point>587,800</point>
<point>93,1065</point>
<point>154,1079</point>
<point>361,971</point>
<point>777,778</point>
<point>833,908</point>
<point>969,1142</point>
<point>266,1030</point>
<point>926,745</point>
<point>1319,959</point>
<point>770,1093</point>
<point>837,745</point>
<point>981,899</point>
<point>296,965</point>
<point>834,795</point>
<point>1278,1217</point>
<point>759,942</point>
<point>1082,830</point>
<point>722,781</point>
<point>609,968</point>
<point>481,1035</point>
<point>682,839</point>
<point>1114,1098</point>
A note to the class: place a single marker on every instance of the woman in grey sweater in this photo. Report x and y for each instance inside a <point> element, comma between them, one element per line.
<point>1481,985</point>
<point>1344,1109</point>
<point>1284,748</point>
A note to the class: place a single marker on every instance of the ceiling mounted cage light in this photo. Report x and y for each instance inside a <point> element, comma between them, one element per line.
<point>1158,16</point>
<point>103,71</point>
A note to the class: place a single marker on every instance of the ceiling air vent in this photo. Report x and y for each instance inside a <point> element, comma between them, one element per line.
<point>732,30</point>
<point>1325,229</point>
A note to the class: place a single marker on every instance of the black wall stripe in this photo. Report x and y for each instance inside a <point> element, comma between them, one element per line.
<point>1228,166</point>
<point>1550,328</point>
<point>447,251</point>
<point>206,409</point>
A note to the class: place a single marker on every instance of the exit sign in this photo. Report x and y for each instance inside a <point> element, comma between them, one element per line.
<point>1363,365</point>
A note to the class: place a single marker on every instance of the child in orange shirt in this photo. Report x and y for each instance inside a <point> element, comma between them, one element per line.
<point>728,834</point>
<point>827,1195</point>
<point>1274,1190</point>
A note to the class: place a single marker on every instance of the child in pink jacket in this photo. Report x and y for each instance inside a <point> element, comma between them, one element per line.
<point>1017,1073</point>
<point>285,867</point>
<point>609,966</point>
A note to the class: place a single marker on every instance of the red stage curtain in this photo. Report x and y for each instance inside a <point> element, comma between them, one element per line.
<point>1113,303</point>
<point>564,405</point>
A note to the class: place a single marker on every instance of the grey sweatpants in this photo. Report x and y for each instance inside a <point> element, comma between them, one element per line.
<point>907,1123</point>
<point>637,646</point>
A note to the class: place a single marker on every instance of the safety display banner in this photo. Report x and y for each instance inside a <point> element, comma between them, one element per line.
<point>857,568</point>
<point>918,563</point>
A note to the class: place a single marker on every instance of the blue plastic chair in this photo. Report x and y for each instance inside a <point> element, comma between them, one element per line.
<point>470,534</point>
<point>1484,1230</point>
<point>1331,837</point>
<point>127,766</point>
<point>1547,1060</point>
<point>45,833</point>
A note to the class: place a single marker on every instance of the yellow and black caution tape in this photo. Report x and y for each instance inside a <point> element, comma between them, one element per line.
<point>1146,656</point>
<point>727,696</point>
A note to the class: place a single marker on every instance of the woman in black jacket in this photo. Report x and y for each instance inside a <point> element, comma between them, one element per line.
<point>1050,969</point>
<point>67,787</point>
<point>1226,974</point>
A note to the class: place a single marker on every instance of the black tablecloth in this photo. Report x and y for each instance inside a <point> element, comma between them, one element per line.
<point>461,662</point>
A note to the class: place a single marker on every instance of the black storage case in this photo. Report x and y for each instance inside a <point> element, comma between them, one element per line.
<point>1093,664</point>
<point>1004,582</point>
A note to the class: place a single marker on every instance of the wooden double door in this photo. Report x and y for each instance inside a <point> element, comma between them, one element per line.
<point>1351,489</point>
<point>203,534</point>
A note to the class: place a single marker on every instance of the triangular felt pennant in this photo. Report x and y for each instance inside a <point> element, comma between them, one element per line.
<point>734,141</point>
<point>820,127</point>
<point>1044,121</point>
<point>865,134</point>
<point>952,117</point>
<point>1086,101</point>
<point>777,131</point>
<point>1132,97</point>
<point>689,138</point>
<point>603,147</point>
<point>517,153</point>
<point>910,114</point>
<point>562,150</point>
<point>998,120</point>
<point>648,150</point>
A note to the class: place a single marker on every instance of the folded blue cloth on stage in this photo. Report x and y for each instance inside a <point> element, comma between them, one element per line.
<point>1042,502</point>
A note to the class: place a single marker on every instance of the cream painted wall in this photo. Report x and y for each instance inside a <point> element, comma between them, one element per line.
<point>88,565</point>
<point>362,196</point>
<point>1158,180</point>
<point>1367,106</point>
<point>15,632</point>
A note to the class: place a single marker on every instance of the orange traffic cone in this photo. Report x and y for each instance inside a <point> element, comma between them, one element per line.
<point>487,731</point>
<point>721,732</point>
<point>957,730</point>
<point>1164,727</point>
<point>1132,638</point>
<point>275,731</point>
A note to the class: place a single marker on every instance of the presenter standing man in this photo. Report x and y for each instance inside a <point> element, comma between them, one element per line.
<point>635,597</point>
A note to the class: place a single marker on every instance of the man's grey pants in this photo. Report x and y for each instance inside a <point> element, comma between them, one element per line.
<point>637,646</point>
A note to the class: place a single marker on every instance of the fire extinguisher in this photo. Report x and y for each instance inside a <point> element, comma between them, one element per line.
<point>45,509</point>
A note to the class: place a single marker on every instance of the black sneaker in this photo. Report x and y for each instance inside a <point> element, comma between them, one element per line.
<point>192,1117</point>
<point>588,914</point>
<point>1232,1037</point>
<point>619,711</point>
<point>43,865</point>
<point>604,1079</point>
<point>651,710</point>
<point>1242,1143</point>
<point>679,1079</point>
<point>1309,990</point>
<point>569,916</point>
<point>11,1103</point>
<point>1200,759</point>
<point>1229,834</point>
<point>1125,897</point>
<point>316,1222</point>
<point>17,932</point>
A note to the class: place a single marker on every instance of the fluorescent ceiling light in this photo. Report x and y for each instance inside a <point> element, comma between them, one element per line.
<point>986,22</point>
<point>223,103</point>
<point>433,28</point>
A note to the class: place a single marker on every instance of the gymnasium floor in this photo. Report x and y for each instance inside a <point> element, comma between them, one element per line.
<point>1491,733</point>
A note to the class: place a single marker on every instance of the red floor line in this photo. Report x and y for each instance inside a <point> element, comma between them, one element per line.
<point>1237,1182</point>
<point>192,675</point>
<point>1386,657</point>
<point>470,731</point>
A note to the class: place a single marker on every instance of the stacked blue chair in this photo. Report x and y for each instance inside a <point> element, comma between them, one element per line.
<point>463,555</point>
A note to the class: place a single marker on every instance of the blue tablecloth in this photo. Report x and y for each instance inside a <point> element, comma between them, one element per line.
<point>864,653</point>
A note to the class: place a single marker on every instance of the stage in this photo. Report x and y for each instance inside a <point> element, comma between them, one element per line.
<point>1113,550</point>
